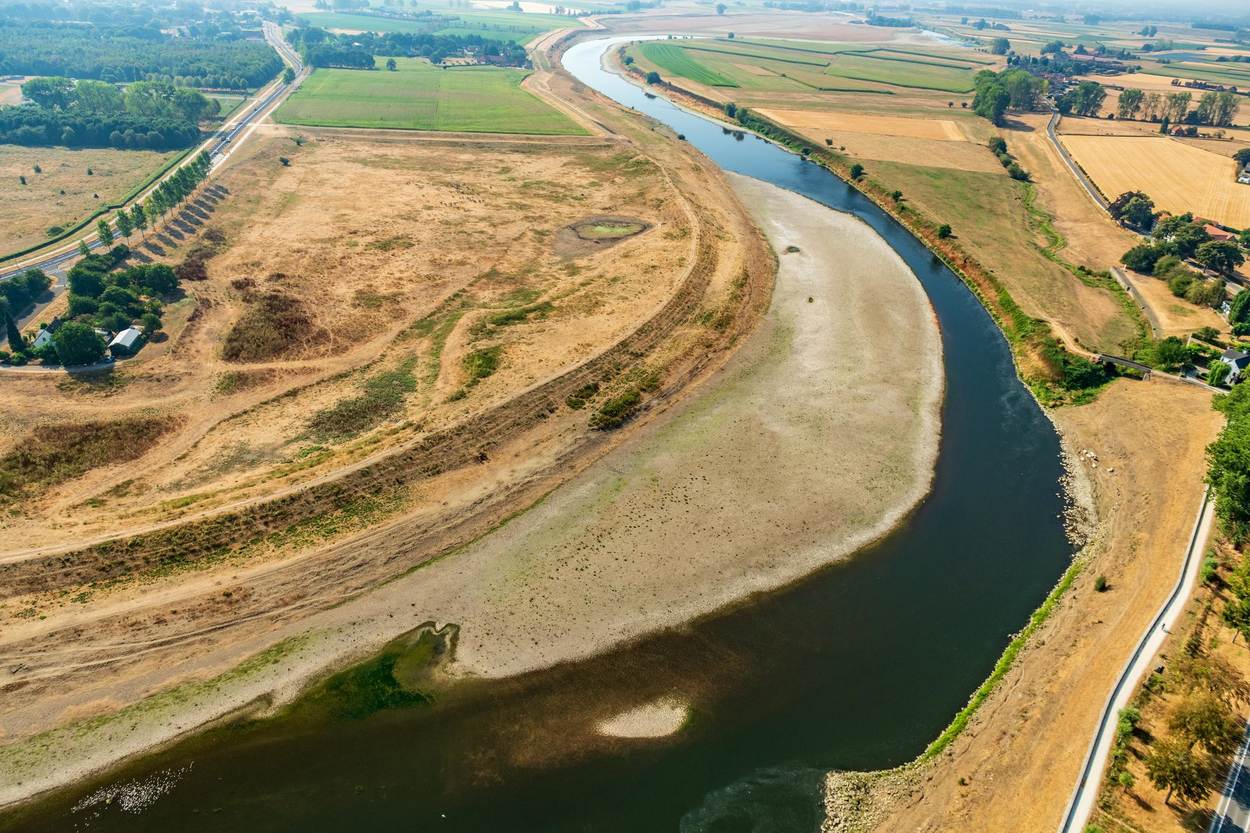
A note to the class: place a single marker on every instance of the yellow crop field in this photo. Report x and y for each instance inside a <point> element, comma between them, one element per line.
<point>1177,176</point>
<point>943,130</point>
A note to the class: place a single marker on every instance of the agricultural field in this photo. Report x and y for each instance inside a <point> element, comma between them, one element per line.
<point>420,96</point>
<point>496,24</point>
<point>990,214</point>
<point>64,193</point>
<point>764,65</point>
<point>1179,177</point>
<point>956,141</point>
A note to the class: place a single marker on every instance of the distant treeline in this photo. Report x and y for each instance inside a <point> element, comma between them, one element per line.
<point>320,48</point>
<point>131,53</point>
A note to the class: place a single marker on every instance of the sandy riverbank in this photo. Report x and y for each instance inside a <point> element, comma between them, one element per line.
<point>792,458</point>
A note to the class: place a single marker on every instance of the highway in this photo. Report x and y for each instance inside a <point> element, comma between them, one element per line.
<point>1232,814</point>
<point>220,145</point>
<point>1085,796</point>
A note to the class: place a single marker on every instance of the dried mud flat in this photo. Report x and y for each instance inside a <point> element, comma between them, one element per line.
<point>789,459</point>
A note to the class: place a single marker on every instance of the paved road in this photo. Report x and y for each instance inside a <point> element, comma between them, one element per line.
<point>220,146</point>
<point>1089,187</point>
<point>1086,794</point>
<point>1156,328</point>
<point>1232,815</point>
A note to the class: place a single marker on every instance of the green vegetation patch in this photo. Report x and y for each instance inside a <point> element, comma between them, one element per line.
<point>678,61</point>
<point>421,96</point>
<point>54,454</point>
<point>617,411</point>
<point>481,363</point>
<point>383,397</point>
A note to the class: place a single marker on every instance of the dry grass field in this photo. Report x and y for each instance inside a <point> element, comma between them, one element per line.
<point>939,142</point>
<point>442,281</point>
<point>64,193</point>
<point>1177,176</point>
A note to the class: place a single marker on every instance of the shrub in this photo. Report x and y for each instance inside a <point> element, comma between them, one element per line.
<point>857,171</point>
<point>1100,584</point>
<point>481,363</point>
<point>616,411</point>
<point>944,231</point>
<point>998,145</point>
<point>653,77</point>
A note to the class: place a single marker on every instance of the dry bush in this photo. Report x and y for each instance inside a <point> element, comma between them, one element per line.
<point>54,454</point>
<point>273,326</point>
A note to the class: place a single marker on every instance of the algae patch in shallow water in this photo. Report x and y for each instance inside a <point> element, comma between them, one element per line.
<point>399,676</point>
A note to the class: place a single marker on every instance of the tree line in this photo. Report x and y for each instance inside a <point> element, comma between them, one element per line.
<point>1217,109</point>
<point>154,115</point>
<point>320,48</point>
<point>1011,88</point>
<point>125,54</point>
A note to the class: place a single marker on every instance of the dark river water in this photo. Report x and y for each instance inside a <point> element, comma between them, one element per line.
<point>859,666</point>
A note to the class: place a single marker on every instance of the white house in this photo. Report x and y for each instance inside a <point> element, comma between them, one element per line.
<point>126,342</point>
<point>1237,362</point>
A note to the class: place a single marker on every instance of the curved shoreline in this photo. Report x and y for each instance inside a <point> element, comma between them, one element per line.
<point>479,587</point>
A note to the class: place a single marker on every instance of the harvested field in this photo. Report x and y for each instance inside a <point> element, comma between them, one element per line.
<point>64,194</point>
<point>1178,177</point>
<point>943,130</point>
<point>421,96</point>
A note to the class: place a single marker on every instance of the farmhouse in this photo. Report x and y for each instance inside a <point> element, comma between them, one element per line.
<point>1218,234</point>
<point>126,342</point>
<point>1237,362</point>
<point>45,334</point>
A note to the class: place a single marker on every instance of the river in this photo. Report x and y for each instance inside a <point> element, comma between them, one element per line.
<point>858,666</point>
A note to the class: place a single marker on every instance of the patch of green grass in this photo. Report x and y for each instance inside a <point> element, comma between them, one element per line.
<point>578,398</point>
<point>383,396</point>
<point>617,411</point>
<point>421,96</point>
<point>481,363</point>
<point>901,73</point>
<point>520,315</point>
<point>678,61</point>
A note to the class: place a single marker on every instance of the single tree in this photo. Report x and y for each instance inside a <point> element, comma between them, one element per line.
<point>857,171</point>
<point>720,8</point>
<point>653,77</point>
<point>1217,373</point>
<point>944,231</point>
<point>288,75</point>
<point>1206,721</point>
<point>83,249</point>
<point>77,343</point>
<point>139,219</point>
<point>1223,256</point>
<point>391,65</point>
<point>124,227</point>
<point>104,232</point>
<point>1000,46</point>
<point>1174,766</point>
<point>16,343</point>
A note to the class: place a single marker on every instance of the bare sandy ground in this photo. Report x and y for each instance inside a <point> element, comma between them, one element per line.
<point>657,719</point>
<point>792,458</point>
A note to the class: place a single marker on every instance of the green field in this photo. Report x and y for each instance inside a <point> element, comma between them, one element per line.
<point>229,103</point>
<point>678,61</point>
<point>795,67</point>
<point>420,96</point>
<point>496,25</point>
